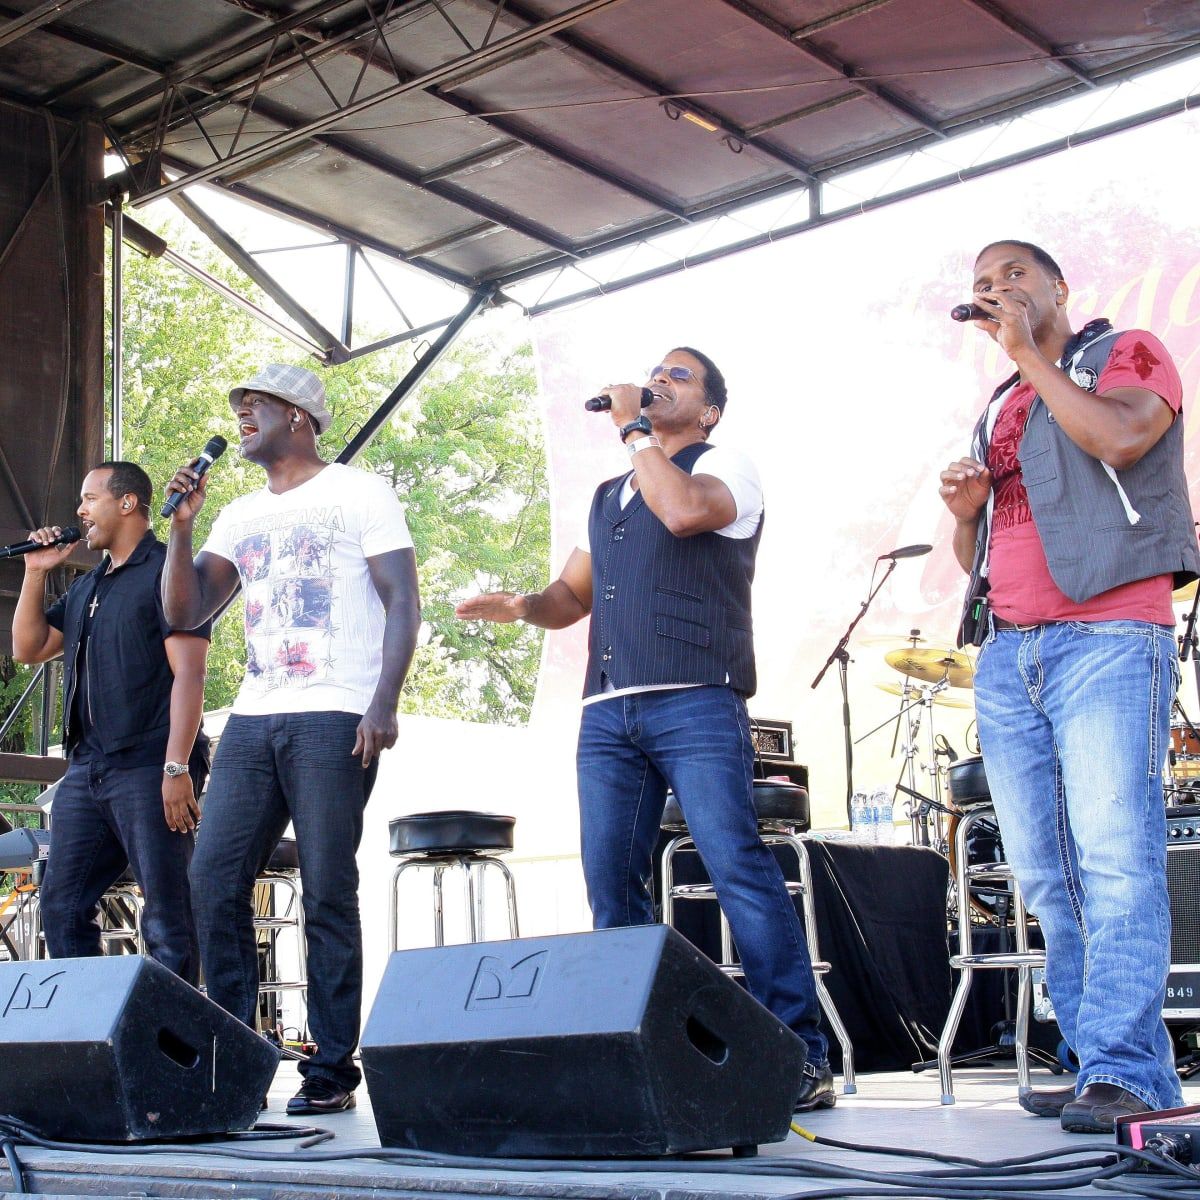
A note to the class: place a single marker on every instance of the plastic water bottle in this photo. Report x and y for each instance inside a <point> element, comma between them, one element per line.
<point>885,830</point>
<point>858,816</point>
<point>870,820</point>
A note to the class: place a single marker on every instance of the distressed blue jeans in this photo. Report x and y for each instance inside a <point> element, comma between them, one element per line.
<point>696,741</point>
<point>1073,724</point>
<point>270,770</point>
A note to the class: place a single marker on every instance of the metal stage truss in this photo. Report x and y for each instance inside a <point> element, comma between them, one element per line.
<point>548,151</point>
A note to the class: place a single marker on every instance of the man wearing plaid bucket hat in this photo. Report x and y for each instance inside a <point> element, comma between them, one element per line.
<point>328,572</point>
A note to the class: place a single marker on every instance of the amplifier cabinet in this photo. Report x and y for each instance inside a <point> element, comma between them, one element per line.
<point>1183,887</point>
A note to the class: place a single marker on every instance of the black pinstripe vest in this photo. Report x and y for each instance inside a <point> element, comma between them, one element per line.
<point>667,609</point>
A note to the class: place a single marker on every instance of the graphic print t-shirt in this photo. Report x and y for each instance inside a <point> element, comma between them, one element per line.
<point>314,621</point>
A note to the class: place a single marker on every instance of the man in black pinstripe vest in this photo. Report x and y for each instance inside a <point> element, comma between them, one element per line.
<point>665,576</point>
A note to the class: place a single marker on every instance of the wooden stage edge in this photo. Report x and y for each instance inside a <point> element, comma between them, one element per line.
<point>894,1109</point>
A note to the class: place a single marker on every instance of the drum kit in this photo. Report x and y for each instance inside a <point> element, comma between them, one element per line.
<point>1182,778</point>
<point>936,677</point>
<point>933,677</point>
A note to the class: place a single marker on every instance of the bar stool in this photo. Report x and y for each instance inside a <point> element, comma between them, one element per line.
<point>782,813</point>
<point>472,842</point>
<point>271,918</point>
<point>1023,960</point>
<point>121,916</point>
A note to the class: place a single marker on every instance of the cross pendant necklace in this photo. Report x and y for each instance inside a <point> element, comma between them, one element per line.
<point>95,604</point>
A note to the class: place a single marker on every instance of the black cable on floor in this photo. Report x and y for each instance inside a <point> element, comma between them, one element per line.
<point>14,1164</point>
<point>962,1160</point>
<point>1009,1179</point>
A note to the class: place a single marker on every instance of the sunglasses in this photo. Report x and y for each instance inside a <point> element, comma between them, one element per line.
<point>679,374</point>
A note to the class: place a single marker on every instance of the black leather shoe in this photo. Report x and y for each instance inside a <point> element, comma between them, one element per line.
<point>816,1088</point>
<point>319,1095</point>
<point>1097,1108</point>
<point>1049,1102</point>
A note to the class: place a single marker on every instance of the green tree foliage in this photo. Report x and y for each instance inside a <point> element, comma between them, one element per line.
<point>465,454</point>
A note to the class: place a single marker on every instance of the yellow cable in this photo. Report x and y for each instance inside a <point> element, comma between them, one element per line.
<point>812,1137</point>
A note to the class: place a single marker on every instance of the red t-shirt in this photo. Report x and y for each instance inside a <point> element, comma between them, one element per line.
<point>1022,589</point>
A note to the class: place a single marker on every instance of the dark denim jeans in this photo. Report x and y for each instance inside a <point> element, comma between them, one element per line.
<point>697,742</point>
<point>103,820</point>
<point>1073,721</point>
<point>295,767</point>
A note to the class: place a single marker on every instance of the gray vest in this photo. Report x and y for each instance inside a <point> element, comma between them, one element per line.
<point>667,609</point>
<point>1100,528</point>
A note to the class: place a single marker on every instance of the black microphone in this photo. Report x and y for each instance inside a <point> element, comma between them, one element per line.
<point>604,403</point>
<point>65,538</point>
<point>208,456</point>
<point>907,552</point>
<point>970,312</point>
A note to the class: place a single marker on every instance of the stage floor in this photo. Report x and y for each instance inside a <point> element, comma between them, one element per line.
<point>896,1109</point>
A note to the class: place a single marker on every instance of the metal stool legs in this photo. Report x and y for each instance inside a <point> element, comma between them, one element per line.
<point>474,869</point>
<point>293,917</point>
<point>1023,960</point>
<point>729,962</point>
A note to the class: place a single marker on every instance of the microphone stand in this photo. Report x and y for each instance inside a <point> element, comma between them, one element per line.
<point>1187,642</point>
<point>842,656</point>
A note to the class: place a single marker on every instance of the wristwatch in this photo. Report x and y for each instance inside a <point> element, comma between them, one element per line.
<point>639,424</point>
<point>175,769</point>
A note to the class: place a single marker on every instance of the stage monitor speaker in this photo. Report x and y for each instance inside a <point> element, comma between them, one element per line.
<point>1183,889</point>
<point>614,1043</point>
<point>118,1049</point>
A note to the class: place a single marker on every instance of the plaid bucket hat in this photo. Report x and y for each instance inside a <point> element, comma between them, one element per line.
<point>296,385</point>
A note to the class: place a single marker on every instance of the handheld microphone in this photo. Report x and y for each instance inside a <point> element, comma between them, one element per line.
<point>209,455</point>
<point>970,312</point>
<point>604,403</point>
<point>66,537</point>
<point>907,552</point>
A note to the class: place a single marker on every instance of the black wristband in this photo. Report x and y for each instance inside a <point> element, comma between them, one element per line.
<point>640,424</point>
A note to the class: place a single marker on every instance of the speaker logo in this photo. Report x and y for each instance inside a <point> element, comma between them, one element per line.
<point>31,993</point>
<point>499,985</point>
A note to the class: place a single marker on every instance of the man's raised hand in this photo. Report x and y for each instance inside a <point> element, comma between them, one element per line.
<point>500,607</point>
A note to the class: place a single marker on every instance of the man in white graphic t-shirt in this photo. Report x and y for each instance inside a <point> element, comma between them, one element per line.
<point>326,563</point>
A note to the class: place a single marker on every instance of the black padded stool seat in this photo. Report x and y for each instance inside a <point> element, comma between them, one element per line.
<point>284,857</point>
<point>968,782</point>
<point>774,800</point>
<point>455,831</point>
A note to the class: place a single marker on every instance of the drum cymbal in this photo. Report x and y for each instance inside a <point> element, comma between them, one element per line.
<point>912,638</point>
<point>933,663</point>
<point>945,699</point>
<point>1188,592</point>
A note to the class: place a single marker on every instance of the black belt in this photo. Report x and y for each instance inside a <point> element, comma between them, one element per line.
<point>1001,623</point>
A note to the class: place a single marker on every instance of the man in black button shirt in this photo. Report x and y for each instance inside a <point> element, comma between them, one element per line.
<point>133,697</point>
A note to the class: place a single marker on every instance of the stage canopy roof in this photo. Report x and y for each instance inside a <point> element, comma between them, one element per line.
<point>549,150</point>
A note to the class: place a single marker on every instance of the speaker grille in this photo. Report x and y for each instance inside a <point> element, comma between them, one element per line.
<point>1183,887</point>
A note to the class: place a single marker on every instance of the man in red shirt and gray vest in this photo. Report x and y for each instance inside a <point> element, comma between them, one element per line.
<point>1074,523</point>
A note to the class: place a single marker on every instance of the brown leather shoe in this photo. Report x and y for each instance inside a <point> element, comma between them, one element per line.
<point>318,1095</point>
<point>1048,1102</point>
<point>1097,1108</point>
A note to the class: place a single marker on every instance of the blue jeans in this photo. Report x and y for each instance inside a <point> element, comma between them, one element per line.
<point>1073,724</point>
<point>696,741</point>
<point>268,771</point>
<point>104,819</point>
